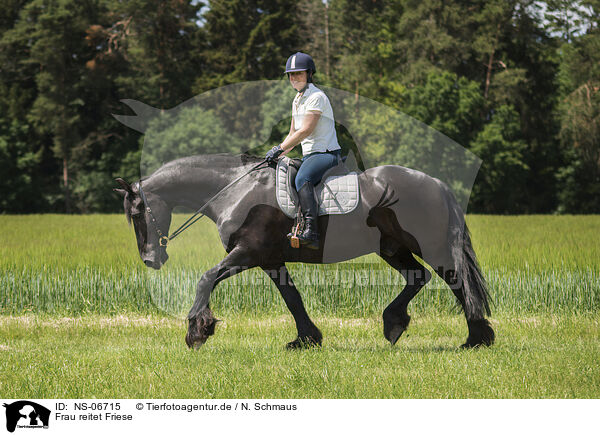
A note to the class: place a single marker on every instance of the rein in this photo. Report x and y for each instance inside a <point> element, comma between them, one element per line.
<point>163,240</point>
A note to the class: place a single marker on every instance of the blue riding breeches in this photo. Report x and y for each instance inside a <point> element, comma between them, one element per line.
<point>314,166</point>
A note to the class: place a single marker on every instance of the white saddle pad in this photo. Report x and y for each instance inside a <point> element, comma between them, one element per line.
<point>337,194</point>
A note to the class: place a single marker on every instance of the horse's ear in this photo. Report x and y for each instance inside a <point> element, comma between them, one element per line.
<point>121,192</point>
<point>124,184</point>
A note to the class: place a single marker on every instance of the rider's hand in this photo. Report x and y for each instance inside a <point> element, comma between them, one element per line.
<point>273,153</point>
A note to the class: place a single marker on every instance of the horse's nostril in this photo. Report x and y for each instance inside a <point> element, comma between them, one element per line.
<point>153,264</point>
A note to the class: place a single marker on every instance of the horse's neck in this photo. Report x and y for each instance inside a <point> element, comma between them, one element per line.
<point>191,185</point>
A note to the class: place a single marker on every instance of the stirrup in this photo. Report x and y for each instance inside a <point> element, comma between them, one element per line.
<point>293,236</point>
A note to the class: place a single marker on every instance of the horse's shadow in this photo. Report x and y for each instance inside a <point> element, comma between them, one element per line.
<point>421,349</point>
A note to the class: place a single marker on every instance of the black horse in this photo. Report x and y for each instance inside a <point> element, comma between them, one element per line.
<point>402,213</point>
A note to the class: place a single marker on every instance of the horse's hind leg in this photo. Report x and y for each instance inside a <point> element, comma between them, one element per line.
<point>395,316</point>
<point>308,333</point>
<point>480,330</point>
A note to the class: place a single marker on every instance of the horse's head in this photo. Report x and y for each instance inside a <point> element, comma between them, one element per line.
<point>146,231</point>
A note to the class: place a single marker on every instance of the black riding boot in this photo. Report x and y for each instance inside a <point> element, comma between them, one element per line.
<point>310,210</point>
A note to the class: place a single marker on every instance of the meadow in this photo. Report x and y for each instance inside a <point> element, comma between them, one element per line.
<point>75,285</point>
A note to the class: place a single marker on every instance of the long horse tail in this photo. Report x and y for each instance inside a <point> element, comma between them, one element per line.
<point>474,286</point>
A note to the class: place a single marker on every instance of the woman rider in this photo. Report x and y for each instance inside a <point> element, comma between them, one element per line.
<point>313,126</point>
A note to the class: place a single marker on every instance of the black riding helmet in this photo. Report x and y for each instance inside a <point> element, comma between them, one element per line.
<point>301,62</point>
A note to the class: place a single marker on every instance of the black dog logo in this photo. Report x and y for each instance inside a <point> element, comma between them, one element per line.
<point>26,414</point>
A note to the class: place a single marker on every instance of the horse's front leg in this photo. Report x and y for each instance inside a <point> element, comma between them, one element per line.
<point>308,333</point>
<point>201,320</point>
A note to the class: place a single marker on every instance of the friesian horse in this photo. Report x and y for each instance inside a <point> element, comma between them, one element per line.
<point>402,213</point>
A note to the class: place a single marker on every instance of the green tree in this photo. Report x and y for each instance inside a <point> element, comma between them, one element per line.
<point>19,190</point>
<point>433,35</point>
<point>362,35</point>
<point>249,40</point>
<point>190,131</point>
<point>503,171</point>
<point>534,96</point>
<point>21,148</point>
<point>449,104</point>
<point>579,113</point>
<point>144,50</point>
<point>569,18</point>
<point>51,34</point>
<point>161,44</point>
<point>314,24</point>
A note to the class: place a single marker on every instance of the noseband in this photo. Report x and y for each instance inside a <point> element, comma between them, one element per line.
<point>163,240</point>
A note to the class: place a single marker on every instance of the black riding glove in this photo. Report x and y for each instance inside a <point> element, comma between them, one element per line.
<point>273,153</point>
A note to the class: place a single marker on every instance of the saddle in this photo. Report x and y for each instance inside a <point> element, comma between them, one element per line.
<point>337,193</point>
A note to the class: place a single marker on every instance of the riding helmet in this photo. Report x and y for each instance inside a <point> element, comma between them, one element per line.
<point>301,62</point>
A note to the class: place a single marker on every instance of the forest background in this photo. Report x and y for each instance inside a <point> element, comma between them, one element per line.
<point>515,82</point>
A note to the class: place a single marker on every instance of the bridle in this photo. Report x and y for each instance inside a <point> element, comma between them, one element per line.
<point>163,239</point>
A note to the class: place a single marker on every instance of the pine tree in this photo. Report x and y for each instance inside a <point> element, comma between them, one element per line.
<point>249,40</point>
<point>50,35</point>
<point>579,113</point>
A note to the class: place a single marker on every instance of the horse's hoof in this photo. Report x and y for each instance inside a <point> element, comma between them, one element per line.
<point>394,326</point>
<point>395,334</point>
<point>475,344</point>
<point>480,334</point>
<point>200,328</point>
<point>303,343</point>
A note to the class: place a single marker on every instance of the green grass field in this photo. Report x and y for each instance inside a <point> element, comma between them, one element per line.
<point>81,316</point>
<point>144,356</point>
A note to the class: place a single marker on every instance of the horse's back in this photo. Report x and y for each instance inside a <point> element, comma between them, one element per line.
<point>409,185</point>
<point>420,203</point>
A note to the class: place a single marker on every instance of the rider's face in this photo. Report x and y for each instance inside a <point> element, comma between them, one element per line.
<point>298,79</point>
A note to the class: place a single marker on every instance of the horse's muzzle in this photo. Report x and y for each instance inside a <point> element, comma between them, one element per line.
<point>153,264</point>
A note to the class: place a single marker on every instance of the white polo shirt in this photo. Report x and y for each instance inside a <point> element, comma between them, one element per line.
<point>323,137</point>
